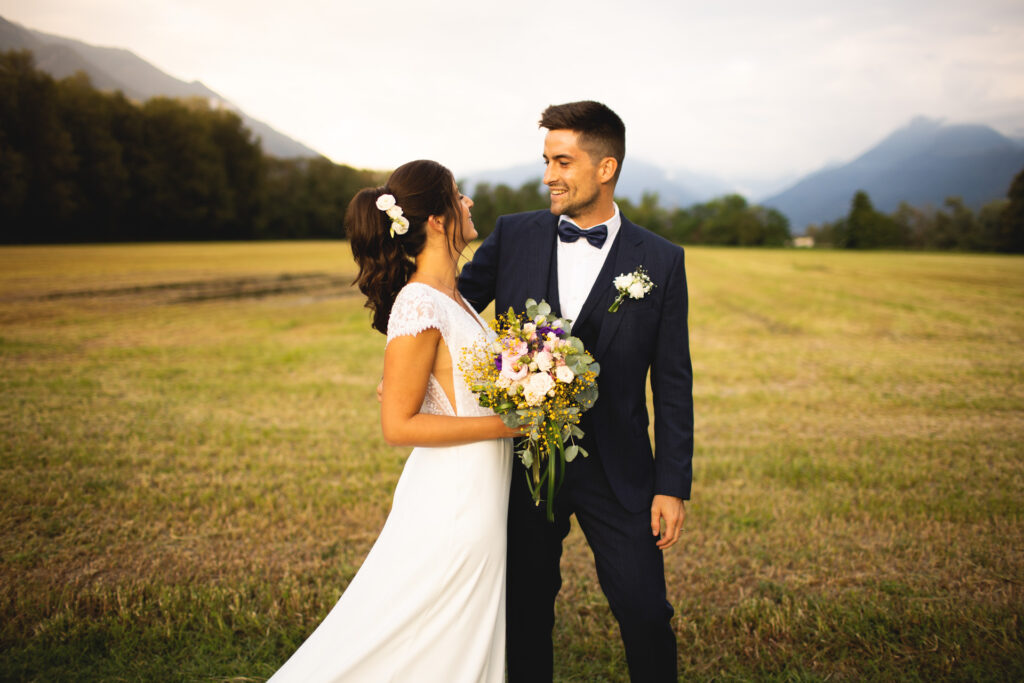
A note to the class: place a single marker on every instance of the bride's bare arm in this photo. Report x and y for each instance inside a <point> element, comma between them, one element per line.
<point>407,364</point>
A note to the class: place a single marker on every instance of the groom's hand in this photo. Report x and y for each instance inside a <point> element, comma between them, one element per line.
<point>672,510</point>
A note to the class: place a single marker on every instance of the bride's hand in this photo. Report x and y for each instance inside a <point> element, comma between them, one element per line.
<point>512,432</point>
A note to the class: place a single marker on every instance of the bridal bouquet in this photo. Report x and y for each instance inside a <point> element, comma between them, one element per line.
<point>536,375</point>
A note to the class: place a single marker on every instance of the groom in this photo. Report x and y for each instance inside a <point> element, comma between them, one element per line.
<point>628,502</point>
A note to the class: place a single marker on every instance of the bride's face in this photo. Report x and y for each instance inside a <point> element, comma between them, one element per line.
<point>469,232</point>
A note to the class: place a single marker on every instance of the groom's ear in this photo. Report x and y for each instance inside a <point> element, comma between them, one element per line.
<point>606,169</point>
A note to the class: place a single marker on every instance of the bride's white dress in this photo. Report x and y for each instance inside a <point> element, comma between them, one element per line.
<point>428,603</point>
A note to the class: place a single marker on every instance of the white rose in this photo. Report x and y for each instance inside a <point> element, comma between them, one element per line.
<point>400,225</point>
<point>385,202</point>
<point>636,290</point>
<point>623,281</point>
<point>544,360</point>
<point>394,212</point>
<point>537,387</point>
<point>564,374</point>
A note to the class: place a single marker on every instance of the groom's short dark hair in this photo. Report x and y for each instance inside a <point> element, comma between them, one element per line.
<point>601,131</point>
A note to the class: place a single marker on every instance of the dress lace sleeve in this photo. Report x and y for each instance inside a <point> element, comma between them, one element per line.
<point>416,309</point>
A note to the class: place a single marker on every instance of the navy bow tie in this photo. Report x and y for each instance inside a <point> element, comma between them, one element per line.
<point>567,232</point>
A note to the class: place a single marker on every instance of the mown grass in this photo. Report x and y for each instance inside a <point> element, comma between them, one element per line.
<point>186,488</point>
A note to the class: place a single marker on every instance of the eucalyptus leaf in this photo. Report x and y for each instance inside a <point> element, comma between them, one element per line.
<point>511,420</point>
<point>571,452</point>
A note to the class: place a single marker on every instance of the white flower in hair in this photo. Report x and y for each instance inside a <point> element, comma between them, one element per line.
<point>399,226</point>
<point>399,223</point>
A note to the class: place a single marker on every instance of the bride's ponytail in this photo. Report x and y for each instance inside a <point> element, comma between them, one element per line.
<point>385,254</point>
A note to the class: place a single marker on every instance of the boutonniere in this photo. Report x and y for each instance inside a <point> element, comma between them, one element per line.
<point>635,285</point>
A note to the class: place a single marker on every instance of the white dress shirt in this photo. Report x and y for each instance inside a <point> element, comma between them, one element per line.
<point>578,266</point>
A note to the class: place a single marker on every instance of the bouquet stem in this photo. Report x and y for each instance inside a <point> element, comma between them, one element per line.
<point>547,476</point>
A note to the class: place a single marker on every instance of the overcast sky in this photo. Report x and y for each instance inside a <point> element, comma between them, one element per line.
<point>741,88</point>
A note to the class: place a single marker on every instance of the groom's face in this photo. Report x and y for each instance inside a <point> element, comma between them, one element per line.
<point>570,173</point>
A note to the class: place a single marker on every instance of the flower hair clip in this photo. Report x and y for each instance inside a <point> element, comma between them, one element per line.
<point>399,223</point>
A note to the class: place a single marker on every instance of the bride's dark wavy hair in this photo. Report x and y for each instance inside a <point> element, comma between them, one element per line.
<point>422,189</point>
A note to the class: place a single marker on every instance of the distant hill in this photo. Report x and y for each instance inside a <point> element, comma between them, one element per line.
<point>118,69</point>
<point>922,163</point>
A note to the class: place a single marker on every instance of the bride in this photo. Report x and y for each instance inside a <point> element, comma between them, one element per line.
<point>428,603</point>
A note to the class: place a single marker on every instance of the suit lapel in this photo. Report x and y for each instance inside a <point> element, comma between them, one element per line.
<point>536,263</point>
<point>552,285</point>
<point>629,256</point>
<point>542,252</point>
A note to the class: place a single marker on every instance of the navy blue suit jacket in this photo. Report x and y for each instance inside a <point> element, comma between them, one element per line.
<point>517,262</point>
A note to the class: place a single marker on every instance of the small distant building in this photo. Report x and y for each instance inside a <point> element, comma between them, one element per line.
<point>803,241</point>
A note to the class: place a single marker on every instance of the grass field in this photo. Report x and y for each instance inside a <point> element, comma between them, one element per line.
<point>191,467</point>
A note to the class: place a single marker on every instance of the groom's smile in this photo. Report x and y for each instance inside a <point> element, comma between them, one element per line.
<point>572,178</point>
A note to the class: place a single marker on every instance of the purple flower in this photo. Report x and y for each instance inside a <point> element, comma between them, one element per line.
<point>545,330</point>
<point>497,362</point>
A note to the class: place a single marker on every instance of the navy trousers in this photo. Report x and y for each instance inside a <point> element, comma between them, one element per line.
<point>630,568</point>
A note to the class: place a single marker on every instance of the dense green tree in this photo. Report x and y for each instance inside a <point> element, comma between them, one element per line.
<point>867,228</point>
<point>1011,225</point>
<point>954,226</point>
<point>43,160</point>
<point>726,221</point>
<point>647,213</point>
<point>491,201</point>
<point>101,179</point>
<point>306,198</point>
<point>243,163</point>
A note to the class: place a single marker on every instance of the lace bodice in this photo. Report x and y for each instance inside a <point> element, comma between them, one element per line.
<point>419,307</point>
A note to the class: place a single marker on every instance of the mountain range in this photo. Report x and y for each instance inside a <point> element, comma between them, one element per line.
<point>921,163</point>
<point>117,69</point>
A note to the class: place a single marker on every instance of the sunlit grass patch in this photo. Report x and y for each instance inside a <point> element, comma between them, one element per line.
<point>186,487</point>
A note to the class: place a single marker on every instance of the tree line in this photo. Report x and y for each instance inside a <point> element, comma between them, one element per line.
<point>997,226</point>
<point>728,220</point>
<point>81,165</point>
